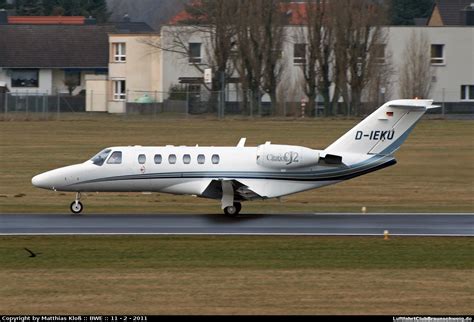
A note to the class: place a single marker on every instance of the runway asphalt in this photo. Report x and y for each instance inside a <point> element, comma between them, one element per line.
<point>282,224</point>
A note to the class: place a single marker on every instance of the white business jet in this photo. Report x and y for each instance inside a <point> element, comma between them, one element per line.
<point>236,174</point>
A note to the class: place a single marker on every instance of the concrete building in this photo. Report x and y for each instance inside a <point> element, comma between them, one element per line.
<point>134,69</point>
<point>452,62</point>
<point>75,57</point>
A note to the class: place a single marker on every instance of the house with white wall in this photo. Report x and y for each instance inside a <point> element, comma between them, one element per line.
<point>451,48</point>
<point>50,55</point>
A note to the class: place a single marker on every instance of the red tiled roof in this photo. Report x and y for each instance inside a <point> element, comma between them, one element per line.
<point>296,13</point>
<point>180,17</point>
<point>46,20</point>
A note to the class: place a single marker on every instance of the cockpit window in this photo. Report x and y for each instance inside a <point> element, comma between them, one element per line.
<point>100,157</point>
<point>115,158</point>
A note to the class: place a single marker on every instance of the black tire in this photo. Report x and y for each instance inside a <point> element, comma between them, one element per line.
<point>234,210</point>
<point>238,205</point>
<point>231,211</point>
<point>76,208</point>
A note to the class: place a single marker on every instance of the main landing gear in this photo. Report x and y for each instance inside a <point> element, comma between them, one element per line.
<point>76,206</point>
<point>233,210</point>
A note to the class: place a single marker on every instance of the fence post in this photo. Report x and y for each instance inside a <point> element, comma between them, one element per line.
<point>442,105</point>
<point>44,100</point>
<point>187,100</point>
<point>223,93</point>
<point>36,102</point>
<point>6,103</point>
<point>91,100</point>
<point>259,105</point>
<point>58,104</point>
<point>155,104</point>
<point>125,102</point>
<point>27,96</point>
<point>251,104</point>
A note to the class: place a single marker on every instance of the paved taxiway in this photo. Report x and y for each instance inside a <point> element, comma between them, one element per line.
<point>295,224</point>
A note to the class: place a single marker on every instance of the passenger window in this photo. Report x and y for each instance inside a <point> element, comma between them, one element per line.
<point>215,159</point>
<point>201,159</point>
<point>158,158</point>
<point>141,159</point>
<point>172,158</point>
<point>186,159</point>
<point>115,158</point>
<point>100,157</point>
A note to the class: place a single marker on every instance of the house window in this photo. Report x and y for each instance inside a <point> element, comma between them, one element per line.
<point>119,90</point>
<point>72,78</point>
<point>379,51</point>
<point>194,53</point>
<point>25,77</point>
<point>437,55</point>
<point>467,92</point>
<point>299,54</point>
<point>119,52</point>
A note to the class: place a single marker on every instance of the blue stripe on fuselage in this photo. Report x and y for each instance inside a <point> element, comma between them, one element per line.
<point>333,175</point>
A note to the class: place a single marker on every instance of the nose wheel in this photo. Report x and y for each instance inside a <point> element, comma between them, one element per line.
<point>76,206</point>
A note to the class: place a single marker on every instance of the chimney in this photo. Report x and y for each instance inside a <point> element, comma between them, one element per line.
<point>3,17</point>
<point>470,15</point>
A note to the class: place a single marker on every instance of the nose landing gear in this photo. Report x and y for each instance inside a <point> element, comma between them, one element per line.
<point>76,206</point>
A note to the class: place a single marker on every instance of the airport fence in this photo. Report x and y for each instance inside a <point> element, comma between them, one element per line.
<point>40,105</point>
<point>190,103</point>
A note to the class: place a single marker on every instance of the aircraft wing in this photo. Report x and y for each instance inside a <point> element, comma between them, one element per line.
<point>241,191</point>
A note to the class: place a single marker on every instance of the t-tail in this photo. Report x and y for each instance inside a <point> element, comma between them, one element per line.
<point>383,131</point>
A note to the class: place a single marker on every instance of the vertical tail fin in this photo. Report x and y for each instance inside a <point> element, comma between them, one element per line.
<point>383,131</point>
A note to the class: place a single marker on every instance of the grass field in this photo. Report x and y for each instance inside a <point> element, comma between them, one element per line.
<point>434,173</point>
<point>236,275</point>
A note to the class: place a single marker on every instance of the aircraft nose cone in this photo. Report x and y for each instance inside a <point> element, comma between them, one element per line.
<point>41,181</point>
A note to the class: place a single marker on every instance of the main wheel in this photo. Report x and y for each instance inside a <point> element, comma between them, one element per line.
<point>233,210</point>
<point>76,207</point>
<point>238,205</point>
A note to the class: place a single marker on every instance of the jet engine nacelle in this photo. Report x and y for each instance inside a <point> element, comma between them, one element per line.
<point>286,156</point>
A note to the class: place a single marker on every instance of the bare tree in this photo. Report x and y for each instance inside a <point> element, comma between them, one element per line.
<point>416,71</point>
<point>358,35</point>
<point>259,41</point>
<point>273,25</point>
<point>210,21</point>
<point>319,65</point>
<point>379,88</point>
<point>249,54</point>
